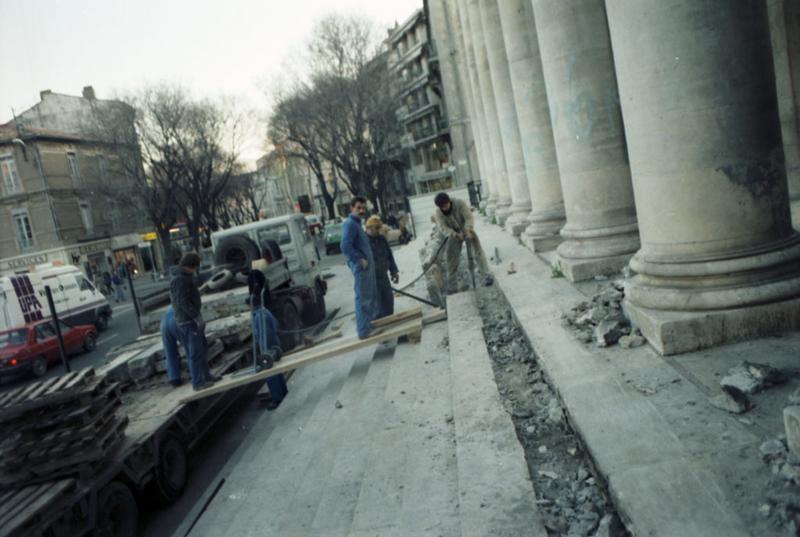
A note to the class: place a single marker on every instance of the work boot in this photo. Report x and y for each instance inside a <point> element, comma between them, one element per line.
<point>213,378</point>
<point>175,383</point>
<point>488,280</point>
<point>202,386</point>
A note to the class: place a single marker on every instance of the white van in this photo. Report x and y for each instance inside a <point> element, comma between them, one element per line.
<point>77,301</point>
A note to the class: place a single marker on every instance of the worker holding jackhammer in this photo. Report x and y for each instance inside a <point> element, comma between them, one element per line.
<point>454,219</point>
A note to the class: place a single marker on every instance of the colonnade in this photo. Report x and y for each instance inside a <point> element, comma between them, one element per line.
<point>645,134</point>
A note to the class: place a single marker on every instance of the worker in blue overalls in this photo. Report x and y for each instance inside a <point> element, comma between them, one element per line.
<point>356,249</point>
<point>265,329</point>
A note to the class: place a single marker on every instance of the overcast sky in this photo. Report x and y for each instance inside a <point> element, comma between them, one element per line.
<point>232,47</point>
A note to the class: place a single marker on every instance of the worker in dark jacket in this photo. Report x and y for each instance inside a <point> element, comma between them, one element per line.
<point>185,297</point>
<point>357,252</point>
<point>384,266</point>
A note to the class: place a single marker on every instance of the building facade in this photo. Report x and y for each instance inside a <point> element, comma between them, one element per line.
<point>57,199</point>
<point>413,60</point>
<point>668,147</point>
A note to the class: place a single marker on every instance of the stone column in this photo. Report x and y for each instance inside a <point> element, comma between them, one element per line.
<point>477,112</point>
<point>493,134</point>
<point>601,231</point>
<point>530,97</point>
<point>507,117</point>
<point>719,259</point>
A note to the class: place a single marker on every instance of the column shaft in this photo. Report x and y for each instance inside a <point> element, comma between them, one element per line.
<point>493,134</point>
<point>601,231</point>
<point>719,258</point>
<point>506,116</point>
<point>488,168</point>
<point>530,97</point>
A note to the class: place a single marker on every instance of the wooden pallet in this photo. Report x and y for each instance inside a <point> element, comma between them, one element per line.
<point>26,510</point>
<point>46,393</point>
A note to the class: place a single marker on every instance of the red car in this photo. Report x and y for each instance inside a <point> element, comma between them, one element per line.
<point>35,346</point>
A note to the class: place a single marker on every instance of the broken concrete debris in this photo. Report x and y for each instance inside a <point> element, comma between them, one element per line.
<point>750,378</point>
<point>734,402</point>
<point>572,502</point>
<point>791,425</point>
<point>602,320</point>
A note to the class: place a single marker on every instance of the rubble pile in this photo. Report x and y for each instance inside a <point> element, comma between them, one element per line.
<point>782,505</point>
<point>602,320</point>
<point>215,306</point>
<point>573,499</point>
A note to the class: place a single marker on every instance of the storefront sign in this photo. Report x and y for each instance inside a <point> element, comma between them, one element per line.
<point>25,262</point>
<point>150,236</point>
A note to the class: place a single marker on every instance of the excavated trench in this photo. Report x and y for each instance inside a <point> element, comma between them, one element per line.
<point>573,498</point>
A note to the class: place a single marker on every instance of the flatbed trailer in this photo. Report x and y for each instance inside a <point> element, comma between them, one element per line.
<point>149,466</point>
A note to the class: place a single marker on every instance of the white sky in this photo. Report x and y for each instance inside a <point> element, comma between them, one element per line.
<point>228,47</point>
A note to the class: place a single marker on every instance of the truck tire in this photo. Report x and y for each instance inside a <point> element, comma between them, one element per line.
<point>39,366</point>
<point>171,472</point>
<point>271,250</point>
<point>237,252</point>
<point>314,310</point>
<point>219,280</point>
<point>89,343</point>
<point>117,512</point>
<point>291,323</point>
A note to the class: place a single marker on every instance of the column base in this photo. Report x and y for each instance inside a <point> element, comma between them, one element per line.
<point>577,270</point>
<point>676,332</point>
<point>517,222</point>
<point>541,243</point>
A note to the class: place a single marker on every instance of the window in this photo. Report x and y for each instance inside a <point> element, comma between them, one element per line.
<point>84,284</point>
<point>22,227</point>
<point>45,331</point>
<point>8,168</point>
<point>279,234</point>
<point>86,216</point>
<point>102,167</point>
<point>74,170</point>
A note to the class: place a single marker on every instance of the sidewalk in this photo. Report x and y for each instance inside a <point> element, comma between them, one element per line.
<point>675,464</point>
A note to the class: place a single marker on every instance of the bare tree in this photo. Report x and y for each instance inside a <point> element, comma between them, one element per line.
<point>344,113</point>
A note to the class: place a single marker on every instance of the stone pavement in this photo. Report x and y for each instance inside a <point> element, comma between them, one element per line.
<point>675,465</point>
<point>400,440</point>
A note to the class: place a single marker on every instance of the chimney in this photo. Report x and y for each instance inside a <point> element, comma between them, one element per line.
<point>88,93</point>
<point>43,93</point>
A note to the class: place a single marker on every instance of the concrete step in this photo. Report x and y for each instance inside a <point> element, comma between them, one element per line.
<point>495,491</point>
<point>267,465</point>
<point>410,484</point>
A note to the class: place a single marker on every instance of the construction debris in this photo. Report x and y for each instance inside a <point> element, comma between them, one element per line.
<point>59,427</point>
<point>602,320</point>
<point>572,499</point>
<point>749,378</point>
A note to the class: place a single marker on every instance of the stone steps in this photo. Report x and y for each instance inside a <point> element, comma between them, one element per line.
<point>496,496</point>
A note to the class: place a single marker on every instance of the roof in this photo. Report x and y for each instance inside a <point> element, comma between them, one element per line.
<point>257,225</point>
<point>9,132</point>
<point>397,33</point>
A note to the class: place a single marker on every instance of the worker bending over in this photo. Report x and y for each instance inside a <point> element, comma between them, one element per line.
<point>454,218</point>
<point>384,267</point>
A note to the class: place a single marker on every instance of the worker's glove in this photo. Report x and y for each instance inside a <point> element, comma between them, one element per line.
<point>364,263</point>
<point>395,277</point>
<point>469,234</point>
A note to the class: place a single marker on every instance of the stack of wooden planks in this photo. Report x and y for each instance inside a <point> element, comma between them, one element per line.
<point>59,427</point>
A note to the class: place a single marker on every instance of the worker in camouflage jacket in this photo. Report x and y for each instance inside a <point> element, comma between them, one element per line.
<point>454,220</point>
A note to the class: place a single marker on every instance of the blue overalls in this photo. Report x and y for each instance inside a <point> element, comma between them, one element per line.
<point>265,332</point>
<point>355,246</point>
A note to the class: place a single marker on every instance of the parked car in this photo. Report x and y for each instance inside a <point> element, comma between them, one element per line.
<point>314,224</point>
<point>333,236</point>
<point>32,348</point>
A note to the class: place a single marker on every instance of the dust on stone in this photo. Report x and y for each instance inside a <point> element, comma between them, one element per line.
<point>573,501</point>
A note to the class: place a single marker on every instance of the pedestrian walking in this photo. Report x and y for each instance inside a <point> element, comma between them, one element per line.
<point>265,329</point>
<point>119,290</point>
<point>107,283</point>
<point>184,295</point>
<point>356,249</point>
<point>454,220</point>
<point>384,267</point>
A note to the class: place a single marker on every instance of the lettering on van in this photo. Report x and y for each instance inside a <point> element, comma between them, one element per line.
<point>28,302</point>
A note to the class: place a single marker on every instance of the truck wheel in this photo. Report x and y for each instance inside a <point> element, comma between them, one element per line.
<point>102,322</point>
<point>117,512</point>
<point>39,366</point>
<point>89,343</point>
<point>237,251</point>
<point>290,321</point>
<point>171,472</point>
<point>314,310</point>
<point>219,280</point>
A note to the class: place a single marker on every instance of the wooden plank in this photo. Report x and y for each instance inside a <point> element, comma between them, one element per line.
<point>44,387</point>
<point>62,381</point>
<point>43,500</point>
<point>19,501</point>
<point>434,316</point>
<point>79,378</point>
<point>10,395</point>
<point>400,316</point>
<point>308,357</point>
<point>314,342</point>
